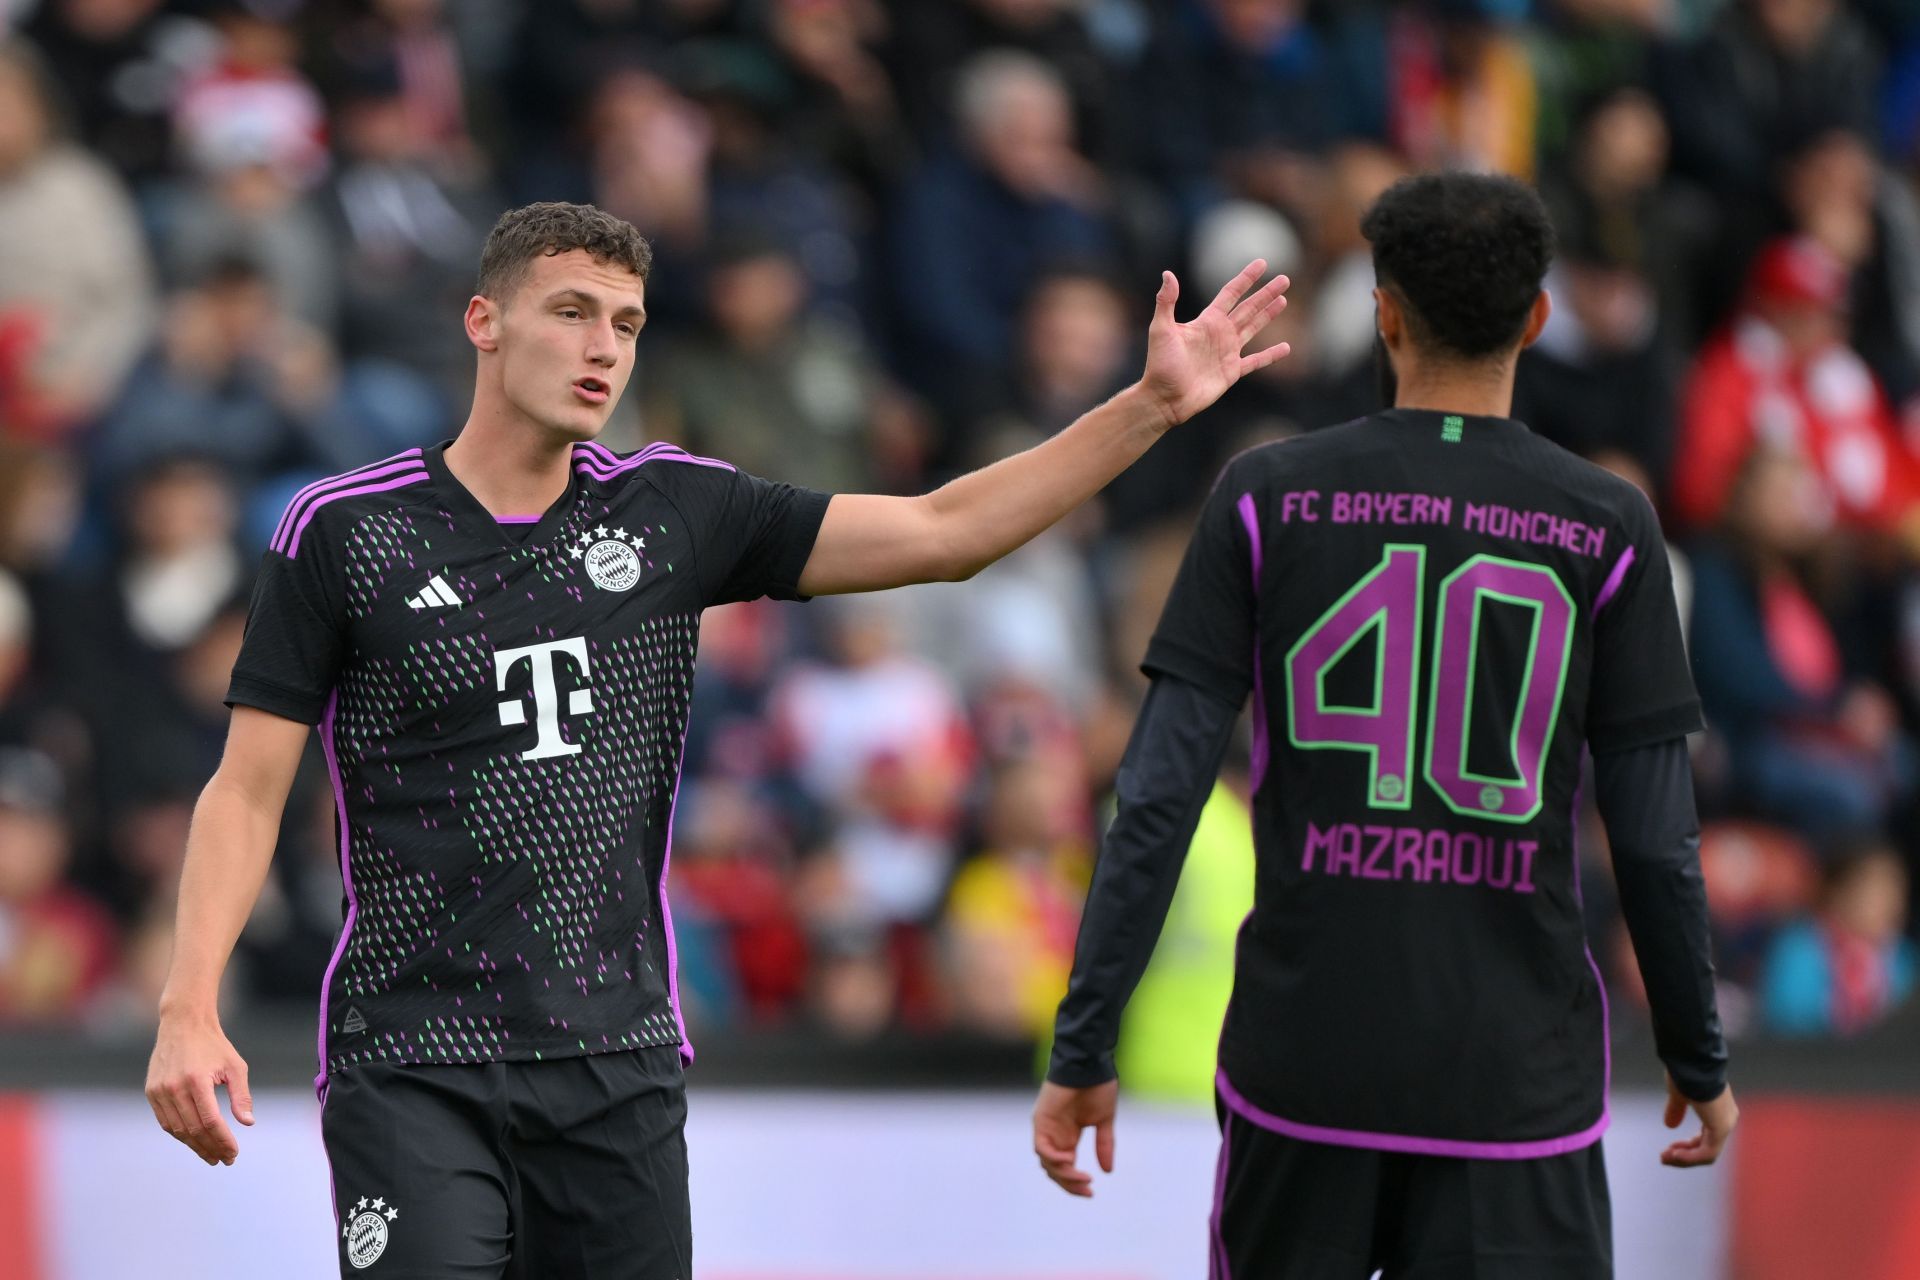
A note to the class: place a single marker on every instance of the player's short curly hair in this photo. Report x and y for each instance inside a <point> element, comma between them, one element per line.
<point>553,227</point>
<point>1465,254</point>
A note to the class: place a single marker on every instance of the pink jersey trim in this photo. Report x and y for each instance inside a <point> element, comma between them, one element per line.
<point>416,476</point>
<point>1404,1143</point>
<point>1250,516</point>
<point>346,881</point>
<point>313,490</point>
<point>1614,579</point>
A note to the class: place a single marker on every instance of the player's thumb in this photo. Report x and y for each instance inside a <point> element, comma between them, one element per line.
<point>1163,301</point>
<point>1103,1145</point>
<point>239,1096</point>
<point>1676,1108</point>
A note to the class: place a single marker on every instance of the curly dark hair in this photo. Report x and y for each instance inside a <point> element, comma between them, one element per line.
<point>1465,254</point>
<point>553,227</point>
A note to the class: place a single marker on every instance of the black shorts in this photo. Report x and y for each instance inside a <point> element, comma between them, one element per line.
<point>1291,1210</point>
<point>566,1169</point>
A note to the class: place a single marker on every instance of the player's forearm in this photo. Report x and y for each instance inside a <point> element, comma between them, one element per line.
<point>1167,773</point>
<point>988,513</point>
<point>1646,800</point>
<point>228,850</point>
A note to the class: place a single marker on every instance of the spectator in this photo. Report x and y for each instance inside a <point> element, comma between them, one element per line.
<point>240,204</point>
<point>1242,89</point>
<point>977,223</point>
<point>76,285</point>
<point>1846,968</point>
<point>765,386</point>
<point>122,64</point>
<point>1782,375</point>
<point>1769,75</point>
<point>1600,379</point>
<point>253,99</point>
<point>846,109</point>
<point>878,740</point>
<point>1014,908</point>
<point>56,945</point>
<point>409,224</point>
<point>1462,88</point>
<point>234,379</point>
<point>1809,742</point>
<point>760,180</point>
<point>1611,194</point>
<point>1836,192</point>
<point>412,38</point>
<point>932,43</point>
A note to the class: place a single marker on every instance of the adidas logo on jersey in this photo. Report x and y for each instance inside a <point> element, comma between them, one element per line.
<point>438,595</point>
<point>354,1022</point>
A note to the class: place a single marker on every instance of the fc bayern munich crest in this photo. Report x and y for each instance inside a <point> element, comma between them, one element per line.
<point>612,557</point>
<point>367,1232</point>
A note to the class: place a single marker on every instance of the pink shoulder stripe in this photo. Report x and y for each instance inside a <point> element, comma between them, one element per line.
<point>288,516</point>
<point>652,453</point>
<point>416,476</point>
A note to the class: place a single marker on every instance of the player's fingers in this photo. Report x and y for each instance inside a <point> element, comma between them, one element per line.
<point>1676,1109</point>
<point>214,1135</point>
<point>1072,1180</point>
<point>1103,1145</point>
<point>1261,359</point>
<point>178,1120</point>
<point>1233,290</point>
<point>1163,301</point>
<point>239,1095</point>
<point>1253,315</point>
<point>164,1110</point>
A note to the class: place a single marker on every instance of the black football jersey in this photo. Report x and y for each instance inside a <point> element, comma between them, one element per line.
<point>1435,616</point>
<point>503,707</point>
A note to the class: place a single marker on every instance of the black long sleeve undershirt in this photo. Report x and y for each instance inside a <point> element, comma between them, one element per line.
<point>1646,800</point>
<point>1164,780</point>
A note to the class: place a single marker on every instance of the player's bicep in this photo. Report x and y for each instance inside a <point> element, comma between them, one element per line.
<point>1207,630</point>
<point>869,542</point>
<point>1642,686</point>
<point>262,755</point>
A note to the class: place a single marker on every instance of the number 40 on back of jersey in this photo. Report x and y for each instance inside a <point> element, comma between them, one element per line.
<point>1389,600</point>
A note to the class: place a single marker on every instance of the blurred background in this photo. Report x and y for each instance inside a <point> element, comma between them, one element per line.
<point>895,241</point>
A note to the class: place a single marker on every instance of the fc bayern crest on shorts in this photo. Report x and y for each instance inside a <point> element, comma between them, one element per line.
<point>366,1232</point>
<point>612,557</point>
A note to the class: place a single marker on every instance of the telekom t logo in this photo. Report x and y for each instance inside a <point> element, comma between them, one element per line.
<point>546,694</point>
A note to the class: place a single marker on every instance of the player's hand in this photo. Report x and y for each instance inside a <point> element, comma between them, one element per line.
<point>1189,365</point>
<point>190,1057</point>
<point>1717,1119</point>
<point>1059,1116</point>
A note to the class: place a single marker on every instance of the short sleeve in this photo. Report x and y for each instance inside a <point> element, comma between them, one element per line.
<point>1206,632</point>
<point>295,638</point>
<point>1642,687</point>
<point>751,536</point>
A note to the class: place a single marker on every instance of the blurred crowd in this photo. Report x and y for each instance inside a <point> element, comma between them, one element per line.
<point>895,241</point>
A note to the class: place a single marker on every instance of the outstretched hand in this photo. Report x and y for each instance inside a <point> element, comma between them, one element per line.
<point>1190,365</point>
<point>1059,1116</point>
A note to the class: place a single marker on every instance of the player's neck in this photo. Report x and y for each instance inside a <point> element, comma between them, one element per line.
<point>1451,388</point>
<point>510,467</point>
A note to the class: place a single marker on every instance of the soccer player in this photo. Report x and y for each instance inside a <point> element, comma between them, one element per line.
<point>1437,614</point>
<point>496,639</point>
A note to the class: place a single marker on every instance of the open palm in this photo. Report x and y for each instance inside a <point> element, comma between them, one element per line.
<point>1189,365</point>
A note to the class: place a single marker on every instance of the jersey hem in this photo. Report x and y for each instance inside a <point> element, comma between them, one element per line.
<point>1407,1144</point>
<point>554,1052</point>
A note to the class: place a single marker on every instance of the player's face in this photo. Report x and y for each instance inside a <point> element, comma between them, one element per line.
<point>566,340</point>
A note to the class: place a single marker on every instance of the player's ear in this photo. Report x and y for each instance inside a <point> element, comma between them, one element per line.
<point>483,322</point>
<point>1537,317</point>
<point>1388,321</point>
